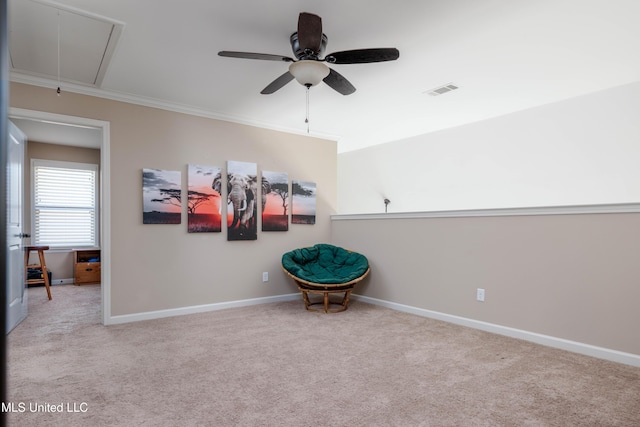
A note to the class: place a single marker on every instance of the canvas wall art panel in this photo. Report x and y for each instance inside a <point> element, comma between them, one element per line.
<point>242,208</point>
<point>275,201</point>
<point>303,206</point>
<point>161,196</point>
<point>204,208</point>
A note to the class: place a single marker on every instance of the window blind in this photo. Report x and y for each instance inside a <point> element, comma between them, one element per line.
<point>64,204</point>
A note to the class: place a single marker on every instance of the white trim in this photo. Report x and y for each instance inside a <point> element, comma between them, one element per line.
<point>18,77</point>
<point>159,314</point>
<point>546,340</point>
<point>117,28</point>
<point>105,222</point>
<point>63,281</point>
<point>105,190</point>
<point>540,210</point>
<point>77,11</point>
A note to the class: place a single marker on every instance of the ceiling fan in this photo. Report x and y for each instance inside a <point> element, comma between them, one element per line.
<point>309,67</point>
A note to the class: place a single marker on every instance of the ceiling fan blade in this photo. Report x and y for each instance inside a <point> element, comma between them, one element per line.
<point>363,56</point>
<point>250,55</point>
<point>337,82</point>
<point>277,83</point>
<point>310,32</point>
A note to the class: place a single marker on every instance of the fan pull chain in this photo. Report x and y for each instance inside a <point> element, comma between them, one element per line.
<point>306,120</point>
<point>58,91</point>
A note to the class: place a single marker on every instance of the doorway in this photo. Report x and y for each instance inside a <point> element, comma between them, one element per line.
<point>69,128</point>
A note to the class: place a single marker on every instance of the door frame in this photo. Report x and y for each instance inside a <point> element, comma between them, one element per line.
<point>105,191</point>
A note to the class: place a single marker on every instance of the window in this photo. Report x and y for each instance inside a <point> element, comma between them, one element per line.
<point>65,204</point>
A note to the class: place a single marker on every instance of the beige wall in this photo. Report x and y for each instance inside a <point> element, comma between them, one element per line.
<point>60,263</point>
<point>574,277</point>
<point>157,267</point>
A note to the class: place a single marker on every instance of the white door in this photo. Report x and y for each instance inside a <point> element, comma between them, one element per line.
<point>16,288</point>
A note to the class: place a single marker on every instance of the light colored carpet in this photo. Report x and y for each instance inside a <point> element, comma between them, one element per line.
<point>279,365</point>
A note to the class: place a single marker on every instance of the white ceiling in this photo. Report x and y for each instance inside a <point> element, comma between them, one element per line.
<point>48,39</point>
<point>59,133</point>
<point>505,56</point>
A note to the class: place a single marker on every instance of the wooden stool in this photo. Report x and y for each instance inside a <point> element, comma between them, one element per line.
<point>42,267</point>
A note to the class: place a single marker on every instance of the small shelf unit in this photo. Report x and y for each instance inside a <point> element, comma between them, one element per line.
<point>86,266</point>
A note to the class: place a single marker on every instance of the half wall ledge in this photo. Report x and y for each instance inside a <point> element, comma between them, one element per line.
<point>541,210</point>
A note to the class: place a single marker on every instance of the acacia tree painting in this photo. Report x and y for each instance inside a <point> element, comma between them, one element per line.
<point>303,210</point>
<point>203,204</point>
<point>161,196</point>
<point>275,190</point>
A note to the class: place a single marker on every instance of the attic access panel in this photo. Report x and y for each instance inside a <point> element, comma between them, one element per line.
<point>87,42</point>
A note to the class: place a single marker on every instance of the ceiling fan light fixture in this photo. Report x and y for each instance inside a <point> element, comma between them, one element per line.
<point>309,72</point>
<point>308,44</point>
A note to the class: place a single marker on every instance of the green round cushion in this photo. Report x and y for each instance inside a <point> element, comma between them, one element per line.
<point>324,263</point>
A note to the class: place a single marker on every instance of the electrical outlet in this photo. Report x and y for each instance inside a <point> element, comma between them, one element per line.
<point>480,294</point>
<point>265,276</point>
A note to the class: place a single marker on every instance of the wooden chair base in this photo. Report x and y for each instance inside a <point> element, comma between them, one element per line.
<point>325,289</point>
<point>326,300</point>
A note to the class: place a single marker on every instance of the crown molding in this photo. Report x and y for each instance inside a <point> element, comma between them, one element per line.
<point>159,104</point>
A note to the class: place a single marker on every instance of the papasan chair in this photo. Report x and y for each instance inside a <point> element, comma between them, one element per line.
<point>325,269</point>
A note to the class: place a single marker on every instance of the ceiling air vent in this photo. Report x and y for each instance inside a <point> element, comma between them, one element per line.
<point>442,89</point>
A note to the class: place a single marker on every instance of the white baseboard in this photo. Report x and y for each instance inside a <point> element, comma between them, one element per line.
<point>560,343</point>
<point>149,315</point>
<point>573,346</point>
<point>62,281</point>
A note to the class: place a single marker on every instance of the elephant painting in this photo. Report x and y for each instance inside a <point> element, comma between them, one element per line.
<point>266,189</point>
<point>242,199</point>
<point>217,183</point>
<point>253,195</point>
